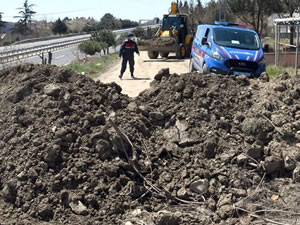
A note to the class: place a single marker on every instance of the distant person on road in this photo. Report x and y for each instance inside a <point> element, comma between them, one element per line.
<point>127,52</point>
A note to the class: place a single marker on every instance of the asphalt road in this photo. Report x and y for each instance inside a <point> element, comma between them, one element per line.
<point>61,57</point>
<point>39,43</point>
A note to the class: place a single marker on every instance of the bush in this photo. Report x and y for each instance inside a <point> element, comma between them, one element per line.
<point>145,34</point>
<point>59,27</point>
<point>139,32</point>
<point>121,38</point>
<point>105,36</point>
<point>90,47</point>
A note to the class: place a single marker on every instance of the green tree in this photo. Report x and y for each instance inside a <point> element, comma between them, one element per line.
<point>90,47</point>
<point>108,21</point>
<point>26,15</point>
<point>1,22</point>
<point>66,19</point>
<point>128,24</point>
<point>105,36</point>
<point>139,32</point>
<point>254,12</point>
<point>59,27</point>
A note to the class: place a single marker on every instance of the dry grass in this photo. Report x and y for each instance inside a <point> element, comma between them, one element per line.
<point>93,66</point>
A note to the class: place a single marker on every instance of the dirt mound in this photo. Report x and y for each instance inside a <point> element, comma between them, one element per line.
<point>191,149</point>
<point>160,42</point>
<point>53,138</point>
<point>216,138</point>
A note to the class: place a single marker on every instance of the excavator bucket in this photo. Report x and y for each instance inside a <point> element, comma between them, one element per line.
<point>160,44</point>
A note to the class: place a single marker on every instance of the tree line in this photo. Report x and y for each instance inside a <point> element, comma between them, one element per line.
<point>108,21</point>
<point>252,12</point>
<point>27,13</point>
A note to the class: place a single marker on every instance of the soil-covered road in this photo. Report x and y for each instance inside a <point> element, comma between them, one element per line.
<point>145,69</point>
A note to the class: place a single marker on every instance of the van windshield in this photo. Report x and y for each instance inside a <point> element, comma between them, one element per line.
<point>236,38</point>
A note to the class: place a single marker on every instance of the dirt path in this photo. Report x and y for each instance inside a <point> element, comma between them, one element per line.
<point>145,70</point>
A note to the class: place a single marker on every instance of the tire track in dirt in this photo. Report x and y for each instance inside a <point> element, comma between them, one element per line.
<point>145,70</point>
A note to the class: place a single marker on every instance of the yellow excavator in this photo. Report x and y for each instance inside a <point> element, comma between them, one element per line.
<point>174,35</point>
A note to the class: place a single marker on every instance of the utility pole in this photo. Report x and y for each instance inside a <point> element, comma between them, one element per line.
<point>220,17</point>
<point>225,9</point>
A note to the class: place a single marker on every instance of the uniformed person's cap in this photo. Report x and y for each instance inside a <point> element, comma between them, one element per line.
<point>130,34</point>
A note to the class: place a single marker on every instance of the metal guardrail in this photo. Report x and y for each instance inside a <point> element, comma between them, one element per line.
<point>22,53</point>
<point>14,55</point>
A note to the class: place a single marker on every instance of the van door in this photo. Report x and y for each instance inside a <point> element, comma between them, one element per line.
<point>205,47</point>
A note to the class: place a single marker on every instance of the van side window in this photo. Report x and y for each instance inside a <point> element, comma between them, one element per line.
<point>199,34</point>
<point>207,35</point>
<point>210,37</point>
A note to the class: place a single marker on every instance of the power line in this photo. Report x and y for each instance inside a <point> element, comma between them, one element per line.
<point>82,10</point>
<point>57,13</point>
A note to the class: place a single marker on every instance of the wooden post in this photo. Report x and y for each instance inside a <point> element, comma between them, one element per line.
<point>297,50</point>
<point>277,46</point>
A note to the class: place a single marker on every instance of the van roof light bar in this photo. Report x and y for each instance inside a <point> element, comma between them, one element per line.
<point>223,23</point>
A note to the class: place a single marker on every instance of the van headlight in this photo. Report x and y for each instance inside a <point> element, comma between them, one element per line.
<point>262,62</point>
<point>217,56</point>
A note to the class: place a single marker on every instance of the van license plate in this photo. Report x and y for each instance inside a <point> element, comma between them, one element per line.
<point>241,73</point>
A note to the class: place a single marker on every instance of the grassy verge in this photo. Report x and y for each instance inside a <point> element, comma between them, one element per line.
<point>274,71</point>
<point>94,65</point>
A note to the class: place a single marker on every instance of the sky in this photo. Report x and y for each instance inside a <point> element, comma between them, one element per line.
<point>124,9</point>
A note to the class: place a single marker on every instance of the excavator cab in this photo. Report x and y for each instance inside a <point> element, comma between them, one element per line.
<point>176,26</point>
<point>174,36</point>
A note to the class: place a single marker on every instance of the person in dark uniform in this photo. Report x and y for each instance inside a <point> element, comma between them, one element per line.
<point>127,53</point>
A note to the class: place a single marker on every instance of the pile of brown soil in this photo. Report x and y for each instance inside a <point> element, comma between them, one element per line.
<point>158,42</point>
<point>192,149</point>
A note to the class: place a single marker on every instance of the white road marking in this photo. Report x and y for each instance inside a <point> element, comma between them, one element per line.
<point>60,57</point>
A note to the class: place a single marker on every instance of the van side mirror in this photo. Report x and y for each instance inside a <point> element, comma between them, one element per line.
<point>204,41</point>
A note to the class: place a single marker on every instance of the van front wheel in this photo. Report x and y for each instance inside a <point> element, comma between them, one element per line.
<point>191,66</point>
<point>205,69</point>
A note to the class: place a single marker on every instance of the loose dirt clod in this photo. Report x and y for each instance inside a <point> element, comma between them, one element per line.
<point>192,149</point>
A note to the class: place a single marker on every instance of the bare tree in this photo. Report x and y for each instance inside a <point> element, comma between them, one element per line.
<point>288,9</point>
<point>254,12</point>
